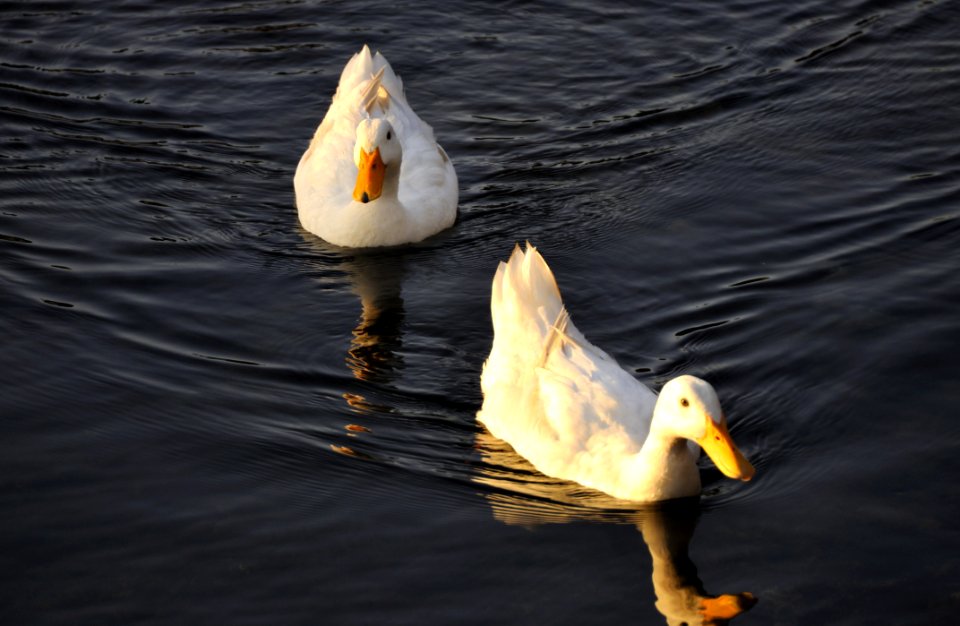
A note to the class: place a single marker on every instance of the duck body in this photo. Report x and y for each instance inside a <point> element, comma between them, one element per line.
<point>575,414</point>
<point>372,142</point>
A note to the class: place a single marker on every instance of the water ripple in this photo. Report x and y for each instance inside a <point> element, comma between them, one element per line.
<point>763,195</point>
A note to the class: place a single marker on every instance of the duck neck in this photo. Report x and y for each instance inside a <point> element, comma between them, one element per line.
<point>391,183</point>
<point>670,467</point>
<point>384,221</point>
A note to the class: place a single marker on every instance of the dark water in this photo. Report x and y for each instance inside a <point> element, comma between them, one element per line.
<point>211,416</point>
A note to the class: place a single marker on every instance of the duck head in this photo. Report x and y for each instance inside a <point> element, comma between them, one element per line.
<point>688,408</point>
<point>377,155</point>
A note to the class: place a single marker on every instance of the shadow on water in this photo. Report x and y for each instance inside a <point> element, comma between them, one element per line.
<point>520,495</point>
<point>374,356</point>
<point>376,277</point>
<point>377,339</point>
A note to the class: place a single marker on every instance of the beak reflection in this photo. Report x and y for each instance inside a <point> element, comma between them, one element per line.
<point>520,495</point>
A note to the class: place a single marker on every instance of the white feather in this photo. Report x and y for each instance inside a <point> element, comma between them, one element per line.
<point>569,408</point>
<point>425,201</point>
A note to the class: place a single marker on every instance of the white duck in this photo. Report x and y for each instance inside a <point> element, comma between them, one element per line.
<point>575,414</point>
<point>373,174</point>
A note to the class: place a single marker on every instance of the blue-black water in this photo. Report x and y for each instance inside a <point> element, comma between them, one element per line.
<point>211,416</point>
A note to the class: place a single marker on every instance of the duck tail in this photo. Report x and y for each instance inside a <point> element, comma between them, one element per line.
<point>529,324</point>
<point>374,94</point>
<point>370,75</point>
<point>525,297</point>
<point>358,69</point>
<point>557,335</point>
<point>391,82</point>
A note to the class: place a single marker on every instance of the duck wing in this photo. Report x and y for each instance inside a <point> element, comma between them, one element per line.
<point>560,401</point>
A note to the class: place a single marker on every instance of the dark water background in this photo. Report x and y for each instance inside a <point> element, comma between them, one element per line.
<point>203,422</point>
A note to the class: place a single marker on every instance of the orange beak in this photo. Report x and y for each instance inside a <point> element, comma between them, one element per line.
<point>721,609</point>
<point>718,445</point>
<point>370,177</point>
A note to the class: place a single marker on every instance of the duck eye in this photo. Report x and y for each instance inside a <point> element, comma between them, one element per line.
<point>684,402</point>
<point>389,135</point>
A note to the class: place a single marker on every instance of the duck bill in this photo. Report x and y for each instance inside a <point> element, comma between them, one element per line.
<point>721,609</point>
<point>718,445</point>
<point>370,177</point>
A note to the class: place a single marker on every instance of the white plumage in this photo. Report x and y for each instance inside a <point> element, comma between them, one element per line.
<point>417,184</point>
<point>575,414</point>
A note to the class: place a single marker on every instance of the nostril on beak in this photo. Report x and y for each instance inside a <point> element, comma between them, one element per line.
<point>364,198</point>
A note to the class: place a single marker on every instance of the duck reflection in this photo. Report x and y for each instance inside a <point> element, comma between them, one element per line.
<point>681,598</point>
<point>522,495</point>
<point>377,279</point>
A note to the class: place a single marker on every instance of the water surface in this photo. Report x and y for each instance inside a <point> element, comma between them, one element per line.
<point>212,416</point>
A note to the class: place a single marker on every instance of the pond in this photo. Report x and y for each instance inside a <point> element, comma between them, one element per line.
<point>211,415</point>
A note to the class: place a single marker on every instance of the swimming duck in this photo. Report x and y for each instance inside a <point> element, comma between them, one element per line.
<point>373,174</point>
<point>575,414</point>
